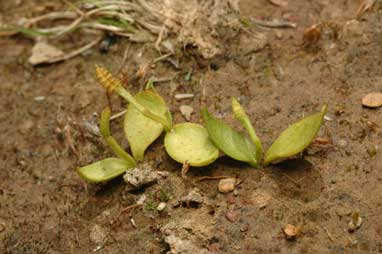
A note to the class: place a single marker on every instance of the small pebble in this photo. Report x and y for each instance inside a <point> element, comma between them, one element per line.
<point>161,206</point>
<point>342,143</point>
<point>26,126</point>
<point>97,234</point>
<point>39,98</point>
<point>227,185</point>
<point>291,231</point>
<point>372,100</point>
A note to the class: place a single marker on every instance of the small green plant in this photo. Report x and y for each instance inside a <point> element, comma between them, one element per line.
<point>147,116</point>
<point>236,145</point>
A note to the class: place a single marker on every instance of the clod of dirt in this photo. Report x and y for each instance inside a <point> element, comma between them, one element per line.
<point>227,185</point>
<point>232,214</point>
<point>186,111</point>
<point>291,231</point>
<point>43,52</point>
<point>355,222</point>
<point>26,126</point>
<point>252,43</point>
<point>193,199</point>
<point>372,100</point>
<point>351,28</point>
<point>141,177</point>
<point>261,198</point>
<point>189,234</point>
<point>181,246</point>
<point>97,234</point>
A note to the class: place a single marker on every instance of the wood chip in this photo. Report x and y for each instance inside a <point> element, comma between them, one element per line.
<point>186,111</point>
<point>280,3</point>
<point>372,100</point>
<point>181,96</point>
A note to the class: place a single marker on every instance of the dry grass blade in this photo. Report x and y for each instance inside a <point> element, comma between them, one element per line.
<point>280,3</point>
<point>364,6</point>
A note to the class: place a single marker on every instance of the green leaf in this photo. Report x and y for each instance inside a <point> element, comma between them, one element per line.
<point>296,137</point>
<point>140,130</point>
<point>104,170</point>
<point>243,118</point>
<point>188,143</point>
<point>234,144</point>
<point>32,32</point>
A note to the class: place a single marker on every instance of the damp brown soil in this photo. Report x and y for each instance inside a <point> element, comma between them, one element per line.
<point>47,114</point>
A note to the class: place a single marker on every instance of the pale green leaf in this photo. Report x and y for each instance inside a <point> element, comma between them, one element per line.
<point>140,130</point>
<point>188,143</point>
<point>243,118</point>
<point>104,170</point>
<point>295,138</point>
<point>234,144</point>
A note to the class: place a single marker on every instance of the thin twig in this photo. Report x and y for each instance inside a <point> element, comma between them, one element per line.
<point>330,236</point>
<point>204,178</point>
<point>118,115</point>
<point>274,23</point>
<point>161,58</point>
<point>128,208</point>
<point>74,53</point>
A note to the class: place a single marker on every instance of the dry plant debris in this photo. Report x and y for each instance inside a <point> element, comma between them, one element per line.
<point>364,7</point>
<point>169,24</point>
<point>355,222</point>
<point>280,3</point>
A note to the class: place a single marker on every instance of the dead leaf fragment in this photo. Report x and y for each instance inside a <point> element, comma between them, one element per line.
<point>372,100</point>
<point>364,7</point>
<point>280,3</point>
<point>43,52</point>
<point>291,231</point>
<point>355,222</point>
<point>311,35</point>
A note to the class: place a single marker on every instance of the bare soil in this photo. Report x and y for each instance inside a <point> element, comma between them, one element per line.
<point>46,208</point>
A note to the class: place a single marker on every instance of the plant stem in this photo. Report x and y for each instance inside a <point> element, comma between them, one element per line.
<point>112,84</point>
<point>105,132</point>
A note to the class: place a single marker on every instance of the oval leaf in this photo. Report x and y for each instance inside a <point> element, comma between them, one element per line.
<point>140,130</point>
<point>189,143</point>
<point>232,143</point>
<point>104,170</point>
<point>295,138</point>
